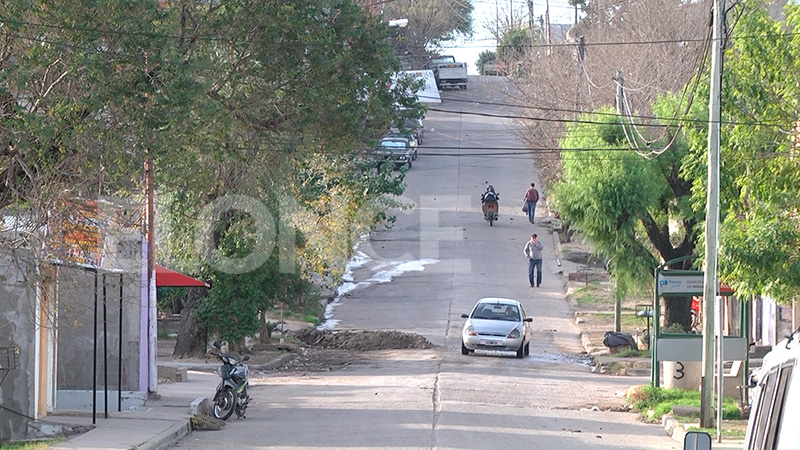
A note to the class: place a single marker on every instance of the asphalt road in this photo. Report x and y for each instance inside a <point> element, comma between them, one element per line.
<point>440,399</point>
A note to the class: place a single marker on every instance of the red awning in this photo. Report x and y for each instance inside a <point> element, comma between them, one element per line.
<point>170,278</point>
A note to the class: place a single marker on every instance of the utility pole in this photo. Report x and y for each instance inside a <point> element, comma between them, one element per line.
<point>497,23</point>
<point>712,222</point>
<point>530,23</point>
<point>547,17</point>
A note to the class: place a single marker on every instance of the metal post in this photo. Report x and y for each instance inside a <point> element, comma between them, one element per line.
<point>720,362</point>
<point>94,356</point>
<point>712,222</point>
<point>105,347</point>
<point>119,359</point>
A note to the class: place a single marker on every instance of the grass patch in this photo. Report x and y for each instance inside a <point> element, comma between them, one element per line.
<point>41,444</point>
<point>591,295</point>
<point>727,432</point>
<point>654,403</point>
<point>633,354</point>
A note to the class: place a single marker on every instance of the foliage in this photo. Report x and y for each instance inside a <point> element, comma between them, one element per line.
<point>294,95</point>
<point>556,84</point>
<point>513,45</point>
<point>431,24</point>
<point>654,402</point>
<point>485,57</point>
<point>631,353</point>
<point>759,230</point>
<point>42,444</point>
<point>633,208</point>
<point>169,298</point>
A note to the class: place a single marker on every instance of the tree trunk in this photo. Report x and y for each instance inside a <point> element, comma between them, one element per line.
<point>678,310</point>
<point>192,336</point>
<point>264,333</point>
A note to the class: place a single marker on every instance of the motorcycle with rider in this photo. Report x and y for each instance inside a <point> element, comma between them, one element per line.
<point>490,205</point>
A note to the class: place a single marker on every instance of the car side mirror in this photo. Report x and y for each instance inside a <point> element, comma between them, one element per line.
<point>246,358</point>
<point>464,316</point>
<point>528,319</point>
<point>217,345</point>
<point>697,440</point>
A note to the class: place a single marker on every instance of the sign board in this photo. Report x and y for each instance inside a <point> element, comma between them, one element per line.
<point>690,348</point>
<point>686,284</point>
<point>429,93</point>
<point>78,235</point>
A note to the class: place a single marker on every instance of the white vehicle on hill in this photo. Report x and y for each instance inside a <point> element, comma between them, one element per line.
<point>448,72</point>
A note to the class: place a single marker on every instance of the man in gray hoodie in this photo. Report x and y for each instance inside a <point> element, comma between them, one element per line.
<point>533,251</point>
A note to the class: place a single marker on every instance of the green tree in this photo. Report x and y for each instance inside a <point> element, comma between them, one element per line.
<point>296,93</point>
<point>485,57</point>
<point>513,46</point>
<point>759,232</point>
<point>636,210</point>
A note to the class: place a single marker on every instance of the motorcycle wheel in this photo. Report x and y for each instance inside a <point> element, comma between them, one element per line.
<point>491,220</point>
<point>225,404</point>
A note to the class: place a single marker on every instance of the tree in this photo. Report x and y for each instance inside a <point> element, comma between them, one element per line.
<point>634,209</point>
<point>485,57</point>
<point>295,94</point>
<point>759,232</point>
<point>637,37</point>
<point>431,24</point>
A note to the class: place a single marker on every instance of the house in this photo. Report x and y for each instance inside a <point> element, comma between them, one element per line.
<point>74,318</point>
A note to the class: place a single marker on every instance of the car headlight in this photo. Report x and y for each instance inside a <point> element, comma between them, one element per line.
<point>514,334</point>
<point>471,331</point>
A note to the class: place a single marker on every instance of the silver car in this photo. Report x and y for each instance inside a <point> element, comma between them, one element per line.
<point>497,324</point>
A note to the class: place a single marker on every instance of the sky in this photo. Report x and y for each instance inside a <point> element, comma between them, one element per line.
<point>486,11</point>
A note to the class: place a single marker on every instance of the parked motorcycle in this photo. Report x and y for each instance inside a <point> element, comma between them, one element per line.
<point>232,390</point>
<point>489,204</point>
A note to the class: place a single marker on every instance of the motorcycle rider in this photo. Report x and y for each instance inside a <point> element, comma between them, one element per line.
<point>490,195</point>
<point>489,205</point>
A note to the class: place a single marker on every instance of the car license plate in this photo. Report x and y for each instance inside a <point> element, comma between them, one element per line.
<point>491,343</point>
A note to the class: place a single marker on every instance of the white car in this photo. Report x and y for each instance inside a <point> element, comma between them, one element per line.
<point>497,324</point>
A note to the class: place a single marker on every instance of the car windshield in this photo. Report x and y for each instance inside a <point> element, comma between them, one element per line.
<point>394,146</point>
<point>496,312</point>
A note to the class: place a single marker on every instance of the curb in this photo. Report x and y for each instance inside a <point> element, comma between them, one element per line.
<point>674,428</point>
<point>167,437</point>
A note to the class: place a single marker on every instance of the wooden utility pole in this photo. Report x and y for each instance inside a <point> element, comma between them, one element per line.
<point>710,284</point>
<point>530,23</point>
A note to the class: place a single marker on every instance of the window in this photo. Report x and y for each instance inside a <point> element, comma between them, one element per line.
<point>762,411</point>
<point>788,436</point>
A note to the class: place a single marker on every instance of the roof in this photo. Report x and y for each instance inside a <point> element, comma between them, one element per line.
<point>170,278</point>
<point>502,301</point>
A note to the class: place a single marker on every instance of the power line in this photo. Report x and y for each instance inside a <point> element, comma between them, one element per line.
<point>597,122</point>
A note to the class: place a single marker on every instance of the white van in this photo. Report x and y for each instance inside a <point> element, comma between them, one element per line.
<point>775,410</point>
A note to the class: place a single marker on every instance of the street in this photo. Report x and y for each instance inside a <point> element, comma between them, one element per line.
<point>439,398</point>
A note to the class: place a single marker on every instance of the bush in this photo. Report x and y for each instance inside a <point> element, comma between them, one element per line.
<point>654,403</point>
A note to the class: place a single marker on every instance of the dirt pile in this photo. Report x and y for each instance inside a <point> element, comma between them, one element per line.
<point>361,340</point>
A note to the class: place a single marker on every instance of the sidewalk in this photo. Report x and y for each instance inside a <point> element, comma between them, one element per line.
<point>611,365</point>
<point>157,425</point>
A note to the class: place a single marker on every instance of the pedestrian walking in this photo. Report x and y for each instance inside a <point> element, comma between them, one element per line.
<point>531,197</point>
<point>533,251</point>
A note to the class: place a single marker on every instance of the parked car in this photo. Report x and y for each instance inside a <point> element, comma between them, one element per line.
<point>416,127</point>
<point>397,149</point>
<point>497,324</point>
<point>775,402</point>
<point>411,140</point>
